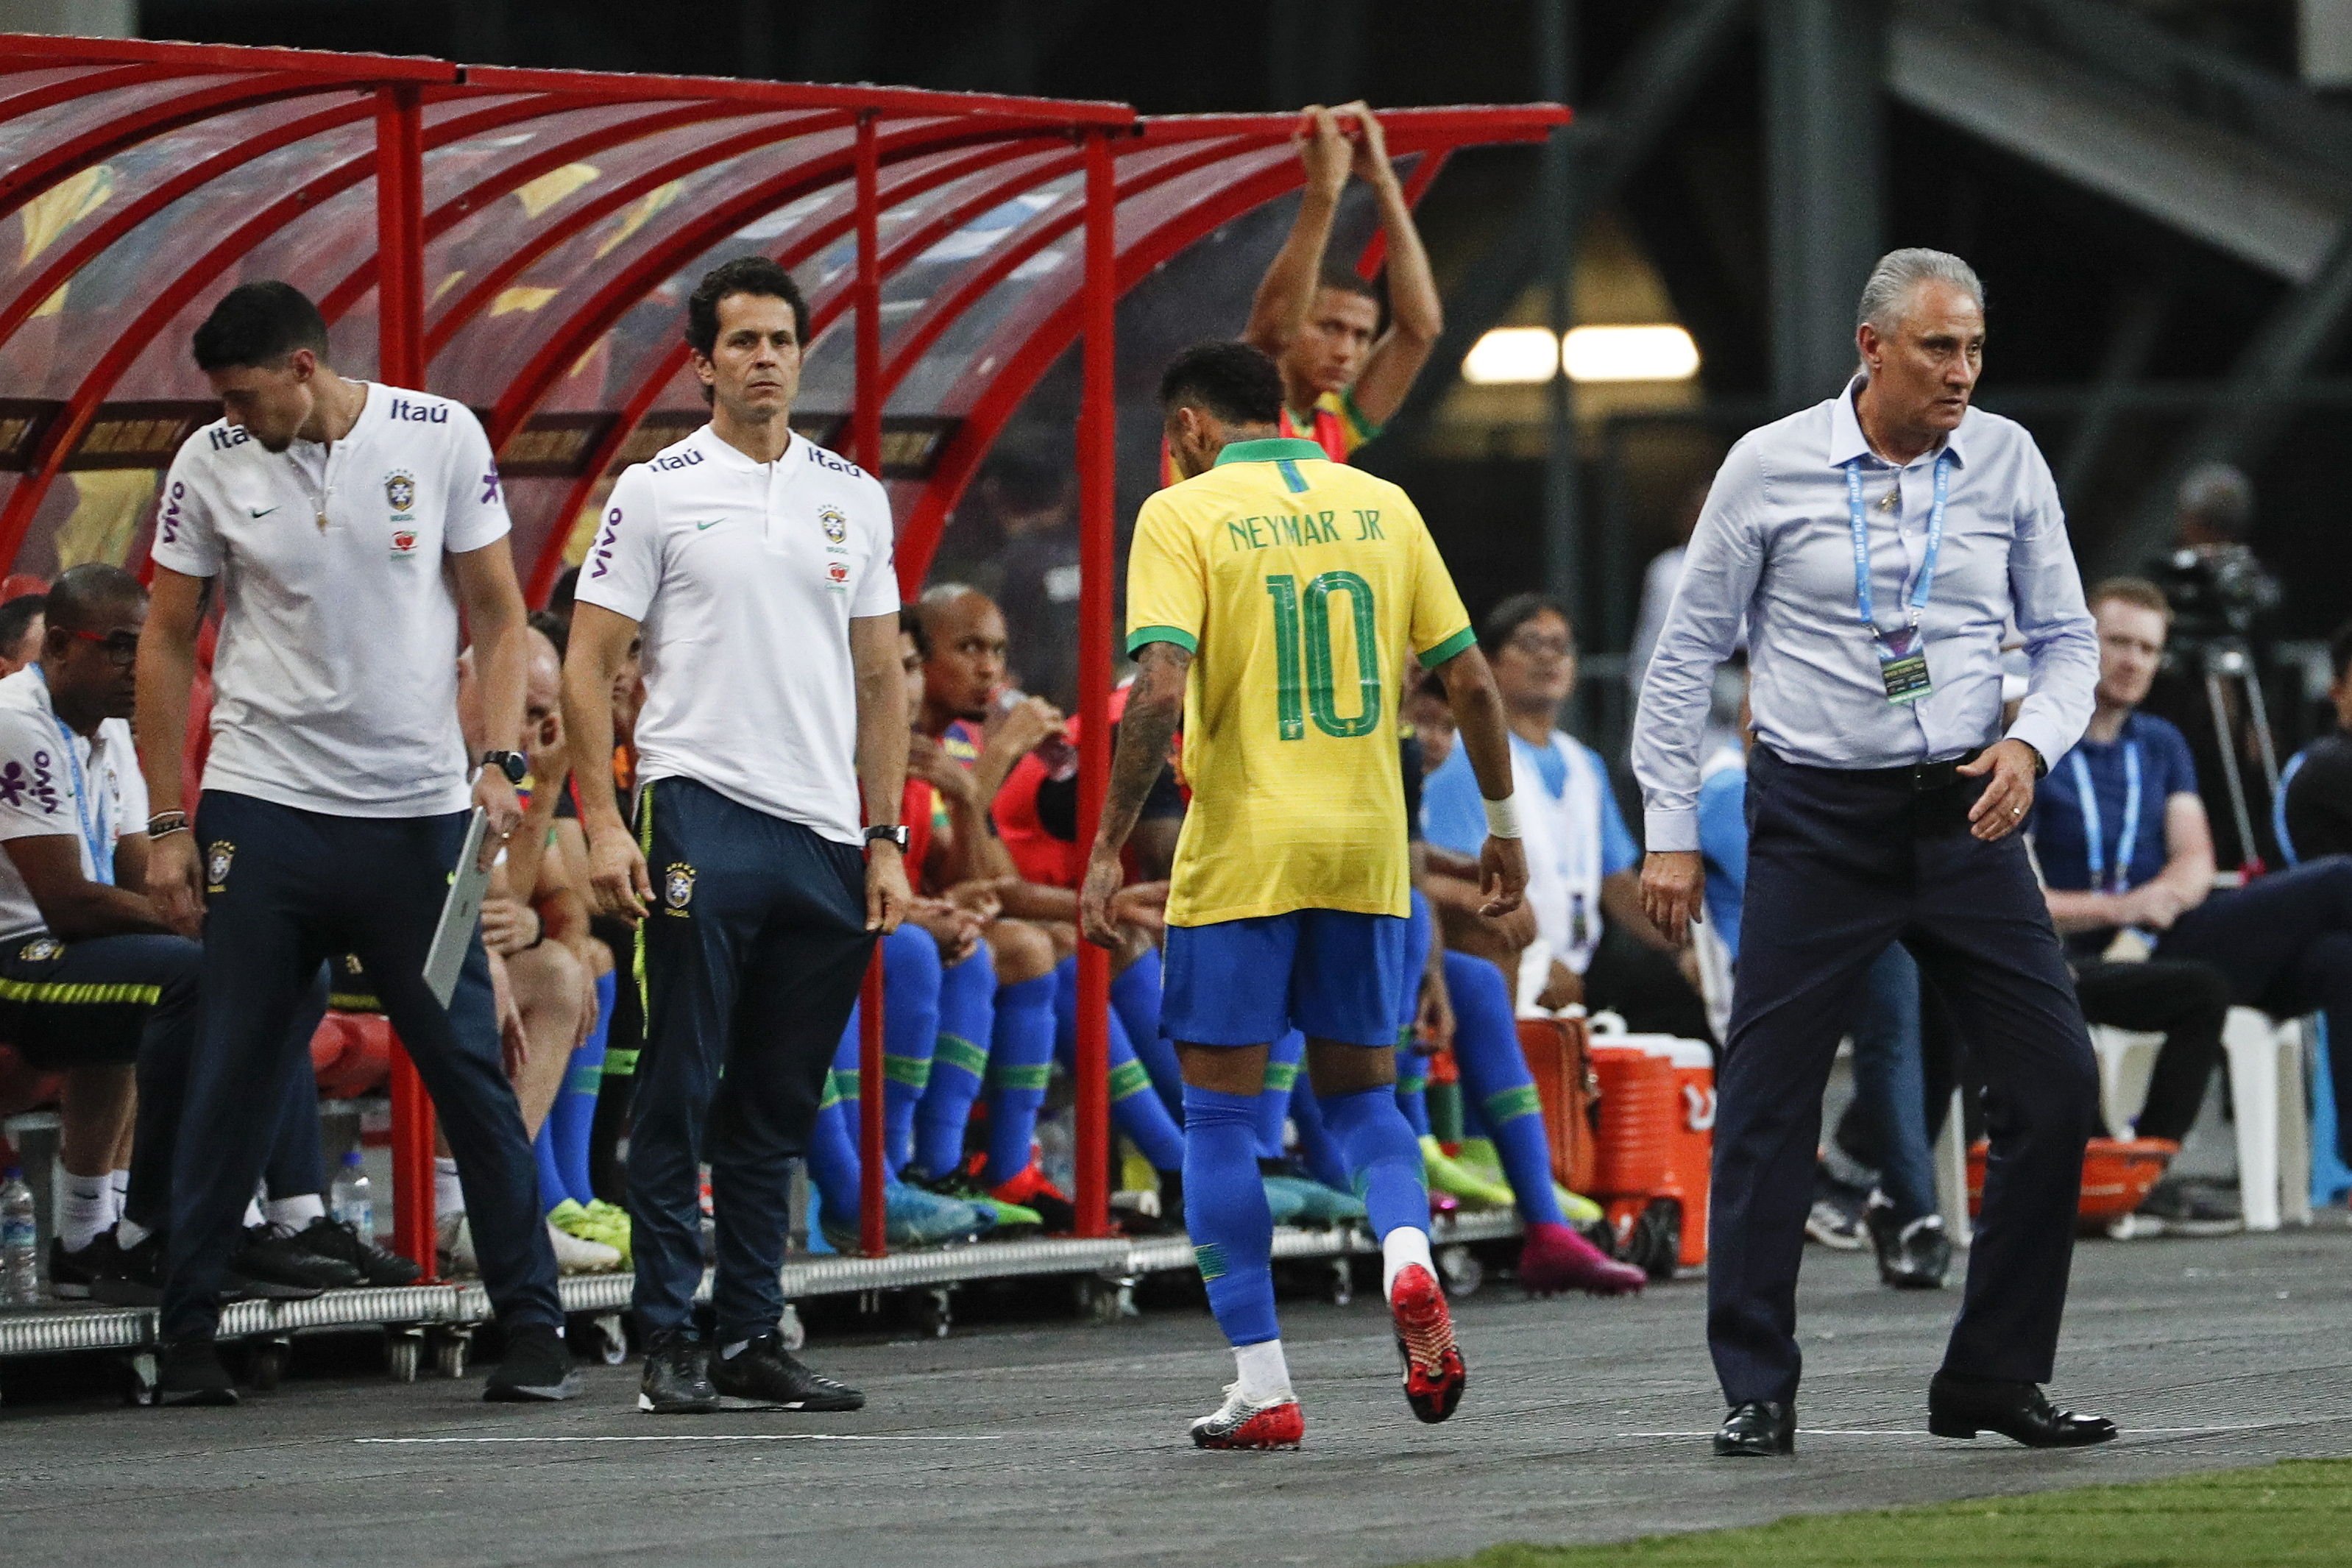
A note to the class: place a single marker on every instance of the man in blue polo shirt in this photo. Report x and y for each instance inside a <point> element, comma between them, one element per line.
<point>2126,855</point>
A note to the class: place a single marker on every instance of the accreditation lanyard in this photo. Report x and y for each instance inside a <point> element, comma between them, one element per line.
<point>93,813</point>
<point>1902,655</point>
<point>2096,850</point>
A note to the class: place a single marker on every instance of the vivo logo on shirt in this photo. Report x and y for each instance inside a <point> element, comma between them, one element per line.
<point>601,553</point>
<point>170,526</point>
<point>673,460</point>
<point>420,413</point>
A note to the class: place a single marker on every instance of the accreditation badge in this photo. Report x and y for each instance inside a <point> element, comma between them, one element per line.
<point>1903,665</point>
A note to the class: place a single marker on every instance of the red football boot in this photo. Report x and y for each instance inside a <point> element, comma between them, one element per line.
<point>1279,1424</point>
<point>1433,1372</point>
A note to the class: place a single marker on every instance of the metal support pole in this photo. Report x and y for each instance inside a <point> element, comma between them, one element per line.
<point>1563,520</point>
<point>1097,433</point>
<point>1823,61</point>
<point>866,442</point>
<point>400,362</point>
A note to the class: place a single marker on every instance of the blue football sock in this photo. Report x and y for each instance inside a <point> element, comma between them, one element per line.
<point>1020,1061</point>
<point>573,1118</point>
<point>1274,1101</point>
<point>1496,1082</point>
<point>833,1167</point>
<point>552,1190</point>
<point>1384,1157</point>
<point>910,1032</point>
<point>1225,1213</point>
<point>1413,1089</point>
<point>1317,1151</point>
<point>1135,1109</point>
<point>958,1063</point>
<point>1134,994</point>
<point>1474,1115</point>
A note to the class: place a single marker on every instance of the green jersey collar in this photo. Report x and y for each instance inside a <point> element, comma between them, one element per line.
<point>1273,449</point>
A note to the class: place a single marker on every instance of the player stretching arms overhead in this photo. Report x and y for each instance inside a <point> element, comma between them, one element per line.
<point>1270,594</point>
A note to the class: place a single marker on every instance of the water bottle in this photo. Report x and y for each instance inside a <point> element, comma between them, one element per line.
<point>1060,757</point>
<point>353,1201</point>
<point>20,1244</point>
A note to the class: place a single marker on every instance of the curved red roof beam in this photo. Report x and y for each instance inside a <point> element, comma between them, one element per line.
<point>614,299</point>
<point>823,310</point>
<point>58,440</point>
<point>439,220</point>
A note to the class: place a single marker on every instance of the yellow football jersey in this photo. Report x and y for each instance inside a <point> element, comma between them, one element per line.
<point>1299,585</point>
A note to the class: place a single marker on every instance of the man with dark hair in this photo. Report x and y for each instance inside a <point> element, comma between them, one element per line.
<point>1301,585</point>
<point>2315,804</point>
<point>1583,938</point>
<point>349,523</point>
<point>20,632</point>
<point>772,758</point>
<point>1343,375</point>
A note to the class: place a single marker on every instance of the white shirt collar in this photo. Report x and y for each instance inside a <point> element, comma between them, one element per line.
<point>1847,442</point>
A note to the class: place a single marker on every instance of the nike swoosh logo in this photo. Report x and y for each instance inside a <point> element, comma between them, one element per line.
<point>711,524</point>
<point>261,511</point>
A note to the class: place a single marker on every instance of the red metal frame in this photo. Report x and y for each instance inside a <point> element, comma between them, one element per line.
<point>891,125</point>
<point>1097,462</point>
<point>866,449</point>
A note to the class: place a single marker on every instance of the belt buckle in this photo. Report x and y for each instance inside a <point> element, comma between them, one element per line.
<point>1928,777</point>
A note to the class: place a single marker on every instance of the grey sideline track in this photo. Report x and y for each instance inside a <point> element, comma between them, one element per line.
<point>1062,1443</point>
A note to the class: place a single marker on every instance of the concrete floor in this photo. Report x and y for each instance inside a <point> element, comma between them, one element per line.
<point>1064,1444</point>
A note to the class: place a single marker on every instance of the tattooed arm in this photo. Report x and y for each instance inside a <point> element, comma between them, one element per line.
<point>1153,708</point>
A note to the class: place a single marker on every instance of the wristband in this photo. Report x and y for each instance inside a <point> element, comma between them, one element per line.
<point>1502,817</point>
<point>163,824</point>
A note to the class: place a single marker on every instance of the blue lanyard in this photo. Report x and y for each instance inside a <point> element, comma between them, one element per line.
<point>1859,519</point>
<point>2095,850</point>
<point>91,814</point>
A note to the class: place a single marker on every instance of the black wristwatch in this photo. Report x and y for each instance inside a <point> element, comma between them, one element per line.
<point>895,831</point>
<point>510,763</point>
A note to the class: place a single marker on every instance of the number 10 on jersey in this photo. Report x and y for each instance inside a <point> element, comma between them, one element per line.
<point>1305,684</point>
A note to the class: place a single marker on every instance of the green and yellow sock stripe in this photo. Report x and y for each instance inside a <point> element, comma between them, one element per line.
<point>915,1072</point>
<point>834,1095</point>
<point>620,1063</point>
<point>962,1055</point>
<point>1003,1076</point>
<point>1129,1078</point>
<point>1510,1104</point>
<point>1281,1076</point>
<point>1212,1260</point>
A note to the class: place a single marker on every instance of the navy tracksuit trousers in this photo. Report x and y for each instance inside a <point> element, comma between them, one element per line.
<point>1839,865</point>
<point>752,958</point>
<point>285,889</point>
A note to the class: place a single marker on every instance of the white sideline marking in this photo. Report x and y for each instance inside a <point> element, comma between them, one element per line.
<point>1923,1432</point>
<point>704,1438</point>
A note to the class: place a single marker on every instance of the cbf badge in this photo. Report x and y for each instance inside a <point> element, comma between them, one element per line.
<point>40,950</point>
<point>1903,665</point>
<point>217,856</point>
<point>677,887</point>
<point>835,525</point>
<point>399,493</point>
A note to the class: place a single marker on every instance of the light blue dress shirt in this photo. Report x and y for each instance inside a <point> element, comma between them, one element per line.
<point>1775,544</point>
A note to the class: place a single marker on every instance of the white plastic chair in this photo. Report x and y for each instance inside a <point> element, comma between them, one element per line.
<point>2274,1123</point>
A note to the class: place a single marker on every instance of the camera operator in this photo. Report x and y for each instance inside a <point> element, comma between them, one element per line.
<point>2214,678</point>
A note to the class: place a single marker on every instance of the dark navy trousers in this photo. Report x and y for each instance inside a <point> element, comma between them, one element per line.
<point>285,889</point>
<point>752,956</point>
<point>1839,865</point>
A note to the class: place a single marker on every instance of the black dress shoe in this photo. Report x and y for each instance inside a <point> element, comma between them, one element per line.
<point>1963,1406</point>
<point>1757,1428</point>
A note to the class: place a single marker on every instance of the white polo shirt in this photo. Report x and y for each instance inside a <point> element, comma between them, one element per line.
<point>745,576</point>
<point>335,684</point>
<point>54,782</point>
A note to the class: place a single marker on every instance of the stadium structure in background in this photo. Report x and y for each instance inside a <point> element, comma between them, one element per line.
<point>523,240</point>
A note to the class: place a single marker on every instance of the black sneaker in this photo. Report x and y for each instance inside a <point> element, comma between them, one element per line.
<point>131,1277</point>
<point>189,1372</point>
<point>1913,1255</point>
<point>2180,1208</point>
<point>1836,1218</point>
<point>677,1378</point>
<point>333,1239</point>
<point>763,1375</point>
<point>72,1273</point>
<point>535,1370</point>
<point>272,1257</point>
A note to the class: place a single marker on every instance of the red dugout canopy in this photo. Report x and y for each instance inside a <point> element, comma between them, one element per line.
<point>523,240</point>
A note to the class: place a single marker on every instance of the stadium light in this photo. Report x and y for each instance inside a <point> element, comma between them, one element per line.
<point>1630,354</point>
<point>1506,356</point>
<point>1517,356</point>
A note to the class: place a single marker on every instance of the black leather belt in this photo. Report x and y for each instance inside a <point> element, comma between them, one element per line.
<point>1924,777</point>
